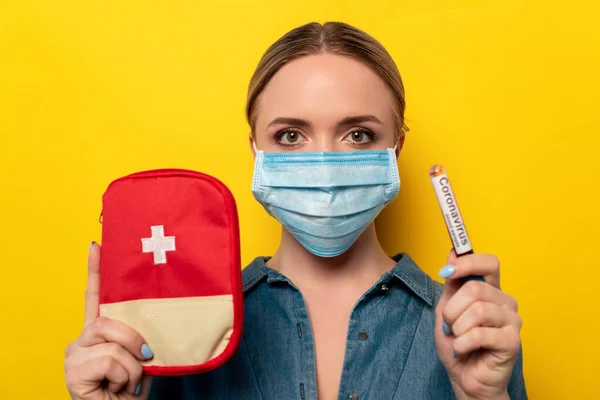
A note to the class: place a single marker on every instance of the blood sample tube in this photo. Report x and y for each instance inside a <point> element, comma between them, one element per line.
<point>452,216</point>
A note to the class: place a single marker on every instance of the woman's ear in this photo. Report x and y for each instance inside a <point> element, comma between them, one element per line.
<point>400,144</point>
<point>252,145</point>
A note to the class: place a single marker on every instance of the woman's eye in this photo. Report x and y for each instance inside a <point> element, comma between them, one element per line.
<point>289,137</point>
<point>360,136</point>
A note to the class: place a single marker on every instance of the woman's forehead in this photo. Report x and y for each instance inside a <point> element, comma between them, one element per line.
<point>325,88</point>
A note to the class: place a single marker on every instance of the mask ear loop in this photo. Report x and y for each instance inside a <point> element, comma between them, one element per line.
<point>254,144</point>
<point>256,151</point>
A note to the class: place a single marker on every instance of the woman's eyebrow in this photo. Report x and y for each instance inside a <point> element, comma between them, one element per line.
<point>352,120</point>
<point>291,121</point>
<point>357,119</point>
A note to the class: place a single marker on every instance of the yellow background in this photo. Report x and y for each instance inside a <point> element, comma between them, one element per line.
<point>504,93</point>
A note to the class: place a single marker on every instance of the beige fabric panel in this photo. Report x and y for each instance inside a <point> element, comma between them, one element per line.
<point>180,331</point>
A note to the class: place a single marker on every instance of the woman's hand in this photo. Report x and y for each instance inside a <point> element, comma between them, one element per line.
<point>104,361</point>
<point>477,328</point>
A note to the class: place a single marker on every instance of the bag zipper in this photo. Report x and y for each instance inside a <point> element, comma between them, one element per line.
<point>162,173</point>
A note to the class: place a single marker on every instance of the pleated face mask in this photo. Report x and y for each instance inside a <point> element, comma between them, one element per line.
<point>326,199</point>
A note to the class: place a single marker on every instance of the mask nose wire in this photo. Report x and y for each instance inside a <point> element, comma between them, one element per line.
<point>256,150</point>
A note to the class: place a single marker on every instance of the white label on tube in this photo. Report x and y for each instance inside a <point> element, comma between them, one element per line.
<point>451,213</point>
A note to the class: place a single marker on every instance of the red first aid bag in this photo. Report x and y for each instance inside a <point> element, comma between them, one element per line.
<point>170,267</point>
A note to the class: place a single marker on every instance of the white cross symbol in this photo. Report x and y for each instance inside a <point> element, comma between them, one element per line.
<point>158,244</point>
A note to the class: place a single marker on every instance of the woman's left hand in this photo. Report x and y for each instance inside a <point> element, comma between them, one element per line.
<point>479,343</point>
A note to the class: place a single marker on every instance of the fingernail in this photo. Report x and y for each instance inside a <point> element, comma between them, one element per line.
<point>91,245</point>
<point>146,352</point>
<point>447,271</point>
<point>138,389</point>
<point>454,354</point>
<point>446,328</point>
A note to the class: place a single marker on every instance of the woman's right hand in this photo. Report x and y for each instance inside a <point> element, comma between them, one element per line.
<point>104,361</point>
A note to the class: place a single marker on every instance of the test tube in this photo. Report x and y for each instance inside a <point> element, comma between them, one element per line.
<point>451,213</point>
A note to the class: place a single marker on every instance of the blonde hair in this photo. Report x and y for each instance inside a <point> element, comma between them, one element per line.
<point>331,37</point>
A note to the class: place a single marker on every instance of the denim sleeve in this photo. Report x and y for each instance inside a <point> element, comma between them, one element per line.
<point>516,385</point>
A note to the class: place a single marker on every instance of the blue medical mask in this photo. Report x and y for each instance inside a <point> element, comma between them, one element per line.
<point>326,199</point>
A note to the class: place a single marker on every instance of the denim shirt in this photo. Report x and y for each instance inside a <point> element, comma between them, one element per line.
<point>390,351</point>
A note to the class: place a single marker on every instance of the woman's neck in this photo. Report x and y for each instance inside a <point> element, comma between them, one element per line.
<point>362,264</point>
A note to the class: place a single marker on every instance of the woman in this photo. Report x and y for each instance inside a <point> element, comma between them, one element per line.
<point>330,315</point>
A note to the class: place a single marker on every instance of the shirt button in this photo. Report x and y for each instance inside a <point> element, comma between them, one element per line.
<point>353,396</point>
<point>362,335</point>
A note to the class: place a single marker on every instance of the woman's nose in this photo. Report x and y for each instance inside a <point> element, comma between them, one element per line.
<point>322,142</point>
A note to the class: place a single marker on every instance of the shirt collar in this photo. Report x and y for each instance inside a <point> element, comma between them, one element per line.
<point>254,273</point>
<point>409,273</point>
<point>405,270</point>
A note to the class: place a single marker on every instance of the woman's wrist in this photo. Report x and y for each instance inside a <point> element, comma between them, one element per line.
<point>461,395</point>
<point>504,396</point>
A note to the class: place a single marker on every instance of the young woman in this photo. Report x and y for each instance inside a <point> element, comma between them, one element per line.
<point>330,315</point>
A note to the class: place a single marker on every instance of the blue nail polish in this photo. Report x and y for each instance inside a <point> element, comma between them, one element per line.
<point>446,328</point>
<point>146,352</point>
<point>454,354</point>
<point>138,389</point>
<point>447,271</point>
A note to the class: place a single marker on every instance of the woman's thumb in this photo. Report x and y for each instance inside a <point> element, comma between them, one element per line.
<point>92,291</point>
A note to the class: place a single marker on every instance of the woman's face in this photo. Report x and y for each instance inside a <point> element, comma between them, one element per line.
<point>325,102</point>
